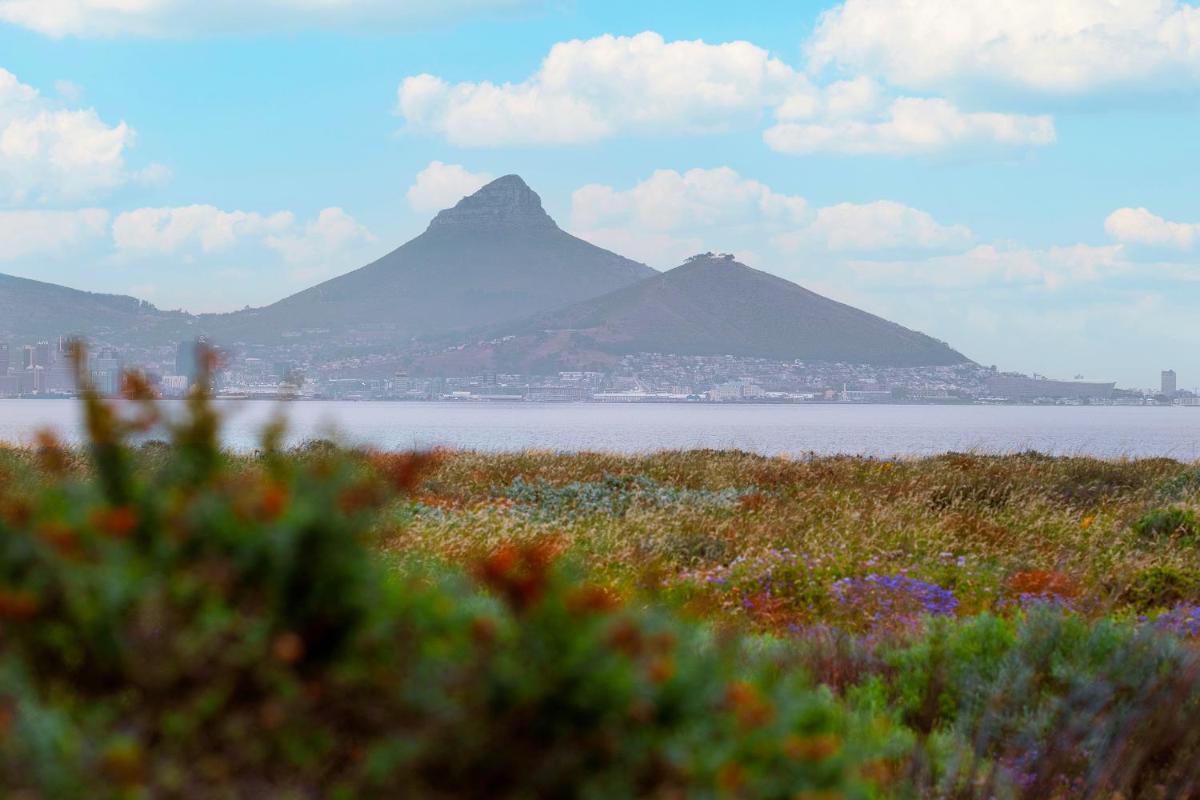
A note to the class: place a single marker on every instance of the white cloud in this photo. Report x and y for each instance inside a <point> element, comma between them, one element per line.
<point>612,85</point>
<point>881,225</point>
<point>671,215</point>
<point>668,200</point>
<point>166,231</point>
<point>328,236</point>
<point>860,122</point>
<point>586,90</point>
<point>1139,226</point>
<point>39,233</point>
<point>174,18</point>
<point>196,234</point>
<point>50,153</point>
<point>1058,47</point>
<point>440,186</point>
<point>992,265</point>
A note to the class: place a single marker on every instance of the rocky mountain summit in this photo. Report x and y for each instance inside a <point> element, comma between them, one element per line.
<point>505,204</point>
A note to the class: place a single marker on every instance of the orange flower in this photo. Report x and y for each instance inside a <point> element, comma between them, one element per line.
<point>404,471</point>
<point>17,512</point>
<point>18,604</point>
<point>1039,581</point>
<point>731,776</point>
<point>483,630</point>
<point>879,771</point>
<point>8,717</point>
<point>124,764</point>
<point>360,497</point>
<point>662,670</point>
<point>592,600</point>
<point>52,455</point>
<point>61,538</point>
<point>1088,521</point>
<point>747,705</point>
<point>116,523</point>
<point>812,748</point>
<point>519,575</point>
<point>494,570</point>
<point>626,637</point>
<point>274,501</point>
<point>287,648</point>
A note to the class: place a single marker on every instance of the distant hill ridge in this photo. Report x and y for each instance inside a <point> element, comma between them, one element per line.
<point>497,262</point>
<point>32,310</point>
<point>714,305</point>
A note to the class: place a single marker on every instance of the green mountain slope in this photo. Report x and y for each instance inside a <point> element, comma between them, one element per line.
<point>31,310</point>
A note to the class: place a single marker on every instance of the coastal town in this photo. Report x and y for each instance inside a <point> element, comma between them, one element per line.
<point>43,369</point>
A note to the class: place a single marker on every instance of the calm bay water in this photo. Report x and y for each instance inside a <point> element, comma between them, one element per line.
<point>882,430</point>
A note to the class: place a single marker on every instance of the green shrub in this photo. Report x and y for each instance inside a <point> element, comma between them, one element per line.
<point>1049,704</point>
<point>1181,487</point>
<point>1159,587</point>
<point>1167,522</point>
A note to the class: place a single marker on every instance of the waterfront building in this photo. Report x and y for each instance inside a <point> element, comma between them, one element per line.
<point>1019,387</point>
<point>1170,384</point>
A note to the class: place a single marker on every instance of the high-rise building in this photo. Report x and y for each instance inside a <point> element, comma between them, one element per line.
<point>4,363</point>
<point>1170,386</point>
<point>43,355</point>
<point>106,371</point>
<point>187,358</point>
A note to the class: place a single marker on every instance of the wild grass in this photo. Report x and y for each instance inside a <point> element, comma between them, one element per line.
<point>1104,537</point>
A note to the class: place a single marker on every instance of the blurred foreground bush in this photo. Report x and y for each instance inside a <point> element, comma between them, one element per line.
<point>181,623</point>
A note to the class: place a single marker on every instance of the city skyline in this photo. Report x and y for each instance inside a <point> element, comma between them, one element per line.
<point>1000,198</point>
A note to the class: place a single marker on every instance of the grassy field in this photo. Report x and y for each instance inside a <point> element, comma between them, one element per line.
<point>176,621</point>
<point>769,541</point>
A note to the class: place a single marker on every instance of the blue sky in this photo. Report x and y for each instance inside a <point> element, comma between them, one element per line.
<point>1017,182</point>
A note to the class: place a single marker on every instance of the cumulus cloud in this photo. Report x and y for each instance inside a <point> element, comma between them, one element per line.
<point>993,265</point>
<point>668,200</point>
<point>856,117</point>
<point>671,215</point>
<point>166,231</point>
<point>174,18</point>
<point>881,225</point>
<point>668,216</point>
<point>1068,46</point>
<point>330,234</point>
<point>1139,226</point>
<point>440,186</point>
<point>52,153</point>
<point>586,90</point>
<point>322,246</point>
<point>613,85</point>
<point>25,234</point>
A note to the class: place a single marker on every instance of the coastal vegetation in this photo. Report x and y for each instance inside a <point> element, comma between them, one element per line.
<point>325,621</point>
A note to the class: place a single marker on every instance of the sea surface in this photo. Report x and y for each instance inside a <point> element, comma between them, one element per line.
<point>881,430</point>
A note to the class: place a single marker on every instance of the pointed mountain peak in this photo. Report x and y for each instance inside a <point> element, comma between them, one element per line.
<point>506,203</point>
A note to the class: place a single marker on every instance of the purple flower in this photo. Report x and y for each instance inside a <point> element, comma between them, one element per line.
<point>895,596</point>
<point>1182,620</point>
